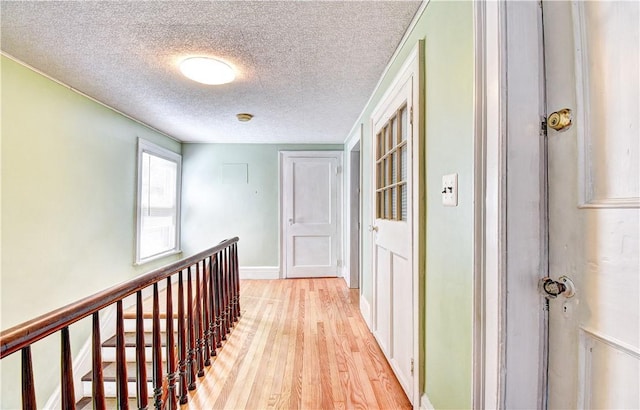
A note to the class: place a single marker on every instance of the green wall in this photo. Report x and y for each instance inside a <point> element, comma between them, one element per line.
<point>68,215</point>
<point>215,208</point>
<point>449,122</point>
<point>447,27</point>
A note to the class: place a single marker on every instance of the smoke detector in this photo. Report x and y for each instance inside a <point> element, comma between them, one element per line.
<point>244,117</point>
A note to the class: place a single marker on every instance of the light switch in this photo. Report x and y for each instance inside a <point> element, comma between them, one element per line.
<point>450,190</point>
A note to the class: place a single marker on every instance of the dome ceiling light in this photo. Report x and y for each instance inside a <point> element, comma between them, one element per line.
<point>207,70</point>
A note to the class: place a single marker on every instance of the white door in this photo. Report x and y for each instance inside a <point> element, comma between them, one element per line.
<point>393,304</point>
<point>311,213</point>
<point>592,68</point>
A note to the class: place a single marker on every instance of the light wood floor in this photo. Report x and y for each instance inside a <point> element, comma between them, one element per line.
<point>300,344</point>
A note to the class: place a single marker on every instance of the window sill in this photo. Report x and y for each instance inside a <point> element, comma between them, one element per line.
<point>156,257</point>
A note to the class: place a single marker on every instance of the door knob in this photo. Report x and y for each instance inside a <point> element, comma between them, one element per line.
<point>560,120</point>
<point>551,289</point>
<point>290,221</point>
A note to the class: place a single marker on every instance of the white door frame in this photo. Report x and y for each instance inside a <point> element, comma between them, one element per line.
<point>508,342</point>
<point>339,201</point>
<point>353,255</point>
<point>413,66</point>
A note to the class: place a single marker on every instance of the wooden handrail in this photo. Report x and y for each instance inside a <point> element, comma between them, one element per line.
<point>25,334</point>
<point>208,319</point>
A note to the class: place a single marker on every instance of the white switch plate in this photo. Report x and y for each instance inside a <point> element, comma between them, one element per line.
<point>450,190</point>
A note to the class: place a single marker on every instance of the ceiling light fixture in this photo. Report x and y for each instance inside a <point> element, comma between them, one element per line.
<point>207,70</point>
<point>244,117</point>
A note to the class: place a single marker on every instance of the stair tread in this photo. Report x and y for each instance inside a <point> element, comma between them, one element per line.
<point>109,372</point>
<point>148,315</point>
<point>147,304</point>
<point>130,339</point>
<point>86,403</point>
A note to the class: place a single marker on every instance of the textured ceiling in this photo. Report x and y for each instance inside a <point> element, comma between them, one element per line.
<point>305,69</point>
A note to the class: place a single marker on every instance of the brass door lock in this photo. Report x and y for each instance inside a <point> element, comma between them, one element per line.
<point>560,120</point>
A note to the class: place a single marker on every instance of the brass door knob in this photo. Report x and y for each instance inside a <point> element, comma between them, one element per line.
<point>560,120</point>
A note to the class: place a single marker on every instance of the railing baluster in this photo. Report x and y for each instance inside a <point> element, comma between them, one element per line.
<point>141,359</point>
<point>122,390</point>
<point>212,312</point>
<point>182,345</point>
<point>66,369</point>
<point>235,250</point>
<point>227,296</point>
<point>236,283</point>
<point>191,364</point>
<point>232,290</point>
<point>229,292</point>
<point>28,388</point>
<point>205,314</point>
<point>97,387</point>
<point>157,351</point>
<point>171,403</point>
<point>216,302</point>
<point>200,331</point>
<point>199,341</point>
<point>223,298</point>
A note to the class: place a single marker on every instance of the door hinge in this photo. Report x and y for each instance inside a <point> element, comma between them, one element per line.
<point>412,367</point>
<point>339,263</point>
<point>411,115</point>
<point>338,170</point>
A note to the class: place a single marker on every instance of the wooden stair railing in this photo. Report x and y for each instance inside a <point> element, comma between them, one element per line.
<point>202,326</point>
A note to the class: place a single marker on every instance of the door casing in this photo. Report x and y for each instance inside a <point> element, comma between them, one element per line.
<point>353,213</point>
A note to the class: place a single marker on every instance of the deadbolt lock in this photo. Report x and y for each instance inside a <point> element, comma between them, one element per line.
<point>560,120</point>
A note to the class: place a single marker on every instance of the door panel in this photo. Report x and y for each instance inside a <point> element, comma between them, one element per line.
<point>611,372</point>
<point>312,251</point>
<point>592,55</point>
<point>402,319</point>
<point>607,66</point>
<point>313,191</point>
<point>382,317</point>
<point>311,213</point>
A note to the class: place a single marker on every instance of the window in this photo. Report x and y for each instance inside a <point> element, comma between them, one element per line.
<point>158,204</point>
<point>391,168</point>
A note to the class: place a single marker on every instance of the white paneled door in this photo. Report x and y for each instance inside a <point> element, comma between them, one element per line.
<point>311,211</point>
<point>592,62</point>
<point>392,205</point>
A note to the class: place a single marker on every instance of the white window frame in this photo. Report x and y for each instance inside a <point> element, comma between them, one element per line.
<point>150,148</point>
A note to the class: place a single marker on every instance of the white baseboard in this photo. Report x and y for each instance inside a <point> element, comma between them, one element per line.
<point>259,272</point>
<point>425,403</point>
<point>365,310</point>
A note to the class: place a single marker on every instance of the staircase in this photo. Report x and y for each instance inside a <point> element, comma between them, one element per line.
<point>109,361</point>
<point>206,312</point>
